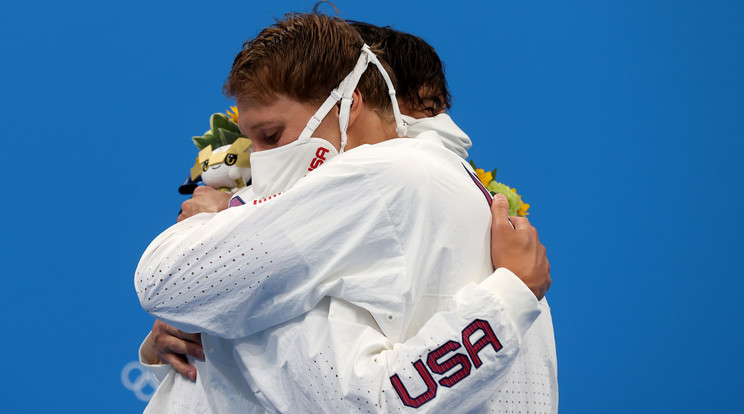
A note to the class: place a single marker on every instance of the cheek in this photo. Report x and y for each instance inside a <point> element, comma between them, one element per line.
<point>288,138</point>
<point>329,129</point>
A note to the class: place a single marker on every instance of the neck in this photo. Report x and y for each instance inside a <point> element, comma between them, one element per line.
<point>369,128</point>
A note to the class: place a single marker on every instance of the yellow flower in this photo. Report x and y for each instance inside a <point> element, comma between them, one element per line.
<point>485,177</point>
<point>524,207</point>
<point>523,210</point>
<point>496,187</point>
<point>233,114</point>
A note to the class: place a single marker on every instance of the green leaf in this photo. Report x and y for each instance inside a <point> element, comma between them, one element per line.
<point>233,127</point>
<point>515,202</point>
<point>228,137</point>
<point>219,120</point>
<point>223,131</point>
<point>201,142</point>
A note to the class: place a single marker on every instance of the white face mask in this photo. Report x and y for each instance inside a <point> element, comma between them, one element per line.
<point>453,138</point>
<point>278,169</point>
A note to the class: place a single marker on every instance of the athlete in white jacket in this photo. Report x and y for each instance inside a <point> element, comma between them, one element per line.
<point>377,236</point>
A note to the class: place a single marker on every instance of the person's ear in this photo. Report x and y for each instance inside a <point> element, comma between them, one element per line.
<point>357,105</point>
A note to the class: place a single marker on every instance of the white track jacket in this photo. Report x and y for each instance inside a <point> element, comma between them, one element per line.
<point>367,286</point>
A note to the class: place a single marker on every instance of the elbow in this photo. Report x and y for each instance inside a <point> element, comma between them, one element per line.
<point>147,304</point>
<point>147,288</point>
<point>142,293</point>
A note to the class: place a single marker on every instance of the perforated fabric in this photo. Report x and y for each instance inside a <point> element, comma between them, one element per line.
<point>364,239</point>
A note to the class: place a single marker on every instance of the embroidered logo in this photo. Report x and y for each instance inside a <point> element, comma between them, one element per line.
<point>438,366</point>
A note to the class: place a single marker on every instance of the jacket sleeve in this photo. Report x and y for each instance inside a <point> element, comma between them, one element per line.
<point>149,360</point>
<point>237,272</point>
<point>336,360</point>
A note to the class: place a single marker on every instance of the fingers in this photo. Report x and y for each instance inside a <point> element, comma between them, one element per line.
<point>202,189</point>
<point>191,337</point>
<point>189,208</point>
<point>180,365</point>
<point>520,222</point>
<point>181,347</point>
<point>500,212</point>
<point>175,345</point>
<point>544,288</point>
<point>185,210</point>
<point>546,265</point>
<point>195,350</point>
<point>204,200</point>
<point>500,205</point>
<point>172,346</point>
<point>180,342</point>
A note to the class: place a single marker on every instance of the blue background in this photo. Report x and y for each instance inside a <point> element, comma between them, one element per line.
<point>619,122</point>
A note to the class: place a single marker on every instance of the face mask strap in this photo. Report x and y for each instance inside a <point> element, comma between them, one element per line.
<point>362,65</point>
<point>344,93</point>
<point>348,86</point>
<point>317,118</point>
<point>400,126</point>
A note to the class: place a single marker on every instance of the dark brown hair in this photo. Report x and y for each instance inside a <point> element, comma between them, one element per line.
<point>415,63</point>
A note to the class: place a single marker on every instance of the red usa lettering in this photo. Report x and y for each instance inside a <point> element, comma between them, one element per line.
<point>319,158</point>
<point>458,359</point>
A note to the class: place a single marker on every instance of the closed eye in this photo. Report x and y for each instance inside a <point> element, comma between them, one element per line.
<point>271,137</point>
